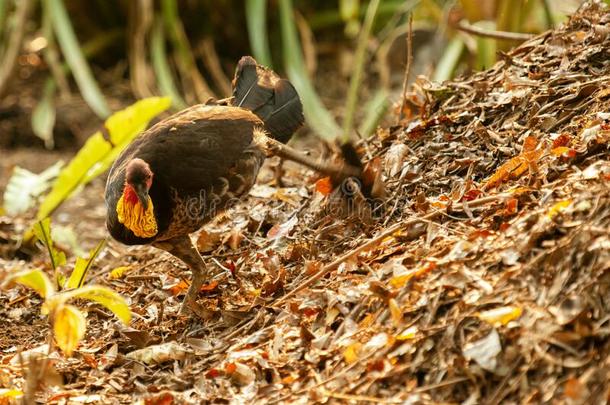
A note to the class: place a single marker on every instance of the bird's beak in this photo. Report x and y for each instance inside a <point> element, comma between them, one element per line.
<point>142,193</point>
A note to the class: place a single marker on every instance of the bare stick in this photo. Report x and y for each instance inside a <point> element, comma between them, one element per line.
<point>14,44</point>
<point>511,36</point>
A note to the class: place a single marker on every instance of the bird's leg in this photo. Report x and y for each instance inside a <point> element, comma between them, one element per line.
<point>338,172</point>
<point>182,247</point>
<point>278,172</point>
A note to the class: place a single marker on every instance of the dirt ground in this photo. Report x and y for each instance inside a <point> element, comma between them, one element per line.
<point>478,273</point>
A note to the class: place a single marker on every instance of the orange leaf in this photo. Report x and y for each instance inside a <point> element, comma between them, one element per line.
<point>511,206</point>
<point>574,388</point>
<point>179,288</point>
<point>213,373</point>
<point>324,186</point>
<point>516,166</point>
<point>401,280</point>
<point>209,287</point>
<point>561,140</point>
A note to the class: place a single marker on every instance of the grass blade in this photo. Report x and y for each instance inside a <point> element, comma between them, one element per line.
<point>256,18</point>
<point>448,63</point>
<point>82,266</point>
<point>375,110</point>
<point>359,59</point>
<point>162,69</point>
<point>75,58</point>
<point>318,117</point>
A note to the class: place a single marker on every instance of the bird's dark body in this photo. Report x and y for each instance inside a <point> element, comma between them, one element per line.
<point>203,158</point>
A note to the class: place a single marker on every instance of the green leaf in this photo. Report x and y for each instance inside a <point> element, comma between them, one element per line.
<point>75,58</point>
<point>43,116</point>
<point>24,187</point>
<point>69,326</point>
<point>82,266</point>
<point>318,117</point>
<point>100,294</point>
<point>98,153</point>
<point>256,18</point>
<point>42,231</point>
<point>486,47</point>
<point>35,279</point>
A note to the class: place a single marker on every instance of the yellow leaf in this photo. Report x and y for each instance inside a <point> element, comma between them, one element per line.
<point>69,328</point>
<point>395,311</point>
<point>102,295</point>
<point>401,280</point>
<point>100,151</point>
<point>351,353</point>
<point>36,279</point>
<point>10,393</point>
<point>408,333</point>
<point>557,208</point>
<point>119,272</point>
<point>366,321</point>
<point>500,316</point>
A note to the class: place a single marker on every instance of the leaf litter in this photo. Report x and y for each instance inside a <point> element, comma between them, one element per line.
<point>480,274</point>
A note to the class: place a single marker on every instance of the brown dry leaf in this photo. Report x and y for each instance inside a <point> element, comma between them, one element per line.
<point>207,241</point>
<point>272,286</point>
<point>395,311</point>
<point>283,229</point>
<point>484,351</point>
<point>235,238</point>
<point>157,354</point>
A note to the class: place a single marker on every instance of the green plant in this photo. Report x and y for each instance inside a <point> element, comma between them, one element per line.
<point>67,324</point>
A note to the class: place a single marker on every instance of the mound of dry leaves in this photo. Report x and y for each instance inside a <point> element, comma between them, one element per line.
<point>479,275</point>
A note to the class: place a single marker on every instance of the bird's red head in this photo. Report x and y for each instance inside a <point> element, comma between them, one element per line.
<point>138,180</point>
<point>135,207</point>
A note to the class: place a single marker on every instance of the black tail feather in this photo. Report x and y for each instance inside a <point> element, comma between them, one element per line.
<point>272,99</point>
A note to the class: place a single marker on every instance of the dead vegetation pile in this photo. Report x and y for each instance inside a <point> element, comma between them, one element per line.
<point>483,276</point>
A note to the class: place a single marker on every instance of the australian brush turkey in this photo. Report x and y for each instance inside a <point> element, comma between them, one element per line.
<point>180,173</point>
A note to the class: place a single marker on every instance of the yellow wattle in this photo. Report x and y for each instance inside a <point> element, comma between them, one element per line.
<point>140,221</point>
